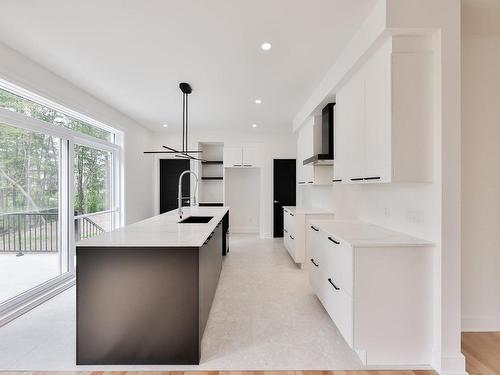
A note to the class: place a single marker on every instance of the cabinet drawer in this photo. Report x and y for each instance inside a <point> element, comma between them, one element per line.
<point>337,259</point>
<point>339,306</point>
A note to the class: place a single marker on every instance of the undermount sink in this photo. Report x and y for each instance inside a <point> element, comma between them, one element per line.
<point>196,220</point>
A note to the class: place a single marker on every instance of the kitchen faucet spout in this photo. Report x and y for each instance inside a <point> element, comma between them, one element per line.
<point>180,197</point>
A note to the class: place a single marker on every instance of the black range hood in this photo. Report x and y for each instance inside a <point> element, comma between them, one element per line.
<point>325,152</point>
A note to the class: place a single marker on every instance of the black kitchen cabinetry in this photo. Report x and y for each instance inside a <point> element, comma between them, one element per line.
<point>145,305</point>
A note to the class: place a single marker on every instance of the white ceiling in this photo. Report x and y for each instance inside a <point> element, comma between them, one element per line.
<point>132,54</point>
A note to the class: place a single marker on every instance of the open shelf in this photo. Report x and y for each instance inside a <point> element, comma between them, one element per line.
<point>210,204</point>
<point>212,178</point>
<point>212,162</point>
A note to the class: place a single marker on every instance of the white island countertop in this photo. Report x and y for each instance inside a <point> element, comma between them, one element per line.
<point>362,234</point>
<point>307,210</point>
<point>161,231</point>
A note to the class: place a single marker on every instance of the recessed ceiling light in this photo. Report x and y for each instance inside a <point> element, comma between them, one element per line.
<point>254,125</point>
<point>165,125</point>
<point>265,46</point>
<point>258,101</point>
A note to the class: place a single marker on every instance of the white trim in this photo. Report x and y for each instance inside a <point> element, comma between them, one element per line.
<point>29,123</point>
<point>480,323</point>
<point>65,207</point>
<point>71,206</point>
<point>244,230</point>
<point>453,365</point>
<point>17,90</point>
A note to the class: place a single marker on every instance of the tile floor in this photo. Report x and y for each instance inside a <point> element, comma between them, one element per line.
<point>264,316</point>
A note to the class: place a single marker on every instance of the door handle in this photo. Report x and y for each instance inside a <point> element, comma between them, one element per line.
<point>276,202</point>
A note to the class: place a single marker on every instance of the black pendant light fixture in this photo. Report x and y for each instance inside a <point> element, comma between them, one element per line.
<point>184,152</point>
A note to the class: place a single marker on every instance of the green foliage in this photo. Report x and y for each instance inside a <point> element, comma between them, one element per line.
<point>92,168</point>
<point>28,169</point>
<point>29,162</point>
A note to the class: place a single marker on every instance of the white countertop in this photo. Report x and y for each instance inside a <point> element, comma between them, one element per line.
<point>362,234</point>
<point>307,210</point>
<point>161,230</point>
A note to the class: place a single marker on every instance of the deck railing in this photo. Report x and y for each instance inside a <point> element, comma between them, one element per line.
<point>85,227</point>
<point>38,232</point>
<point>29,231</point>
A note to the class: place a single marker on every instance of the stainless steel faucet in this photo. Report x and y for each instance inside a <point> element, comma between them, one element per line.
<point>180,197</point>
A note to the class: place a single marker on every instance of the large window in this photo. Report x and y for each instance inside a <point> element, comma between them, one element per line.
<point>29,108</point>
<point>59,184</point>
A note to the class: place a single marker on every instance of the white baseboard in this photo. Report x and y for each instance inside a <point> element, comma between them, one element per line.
<point>453,365</point>
<point>244,230</point>
<point>480,323</point>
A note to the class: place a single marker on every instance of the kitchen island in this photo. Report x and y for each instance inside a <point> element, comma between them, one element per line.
<point>144,291</point>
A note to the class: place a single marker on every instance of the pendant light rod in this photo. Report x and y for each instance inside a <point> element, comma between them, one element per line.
<point>186,90</point>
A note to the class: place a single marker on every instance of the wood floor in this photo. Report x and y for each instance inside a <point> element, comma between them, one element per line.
<point>226,373</point>
<point>481,350</point>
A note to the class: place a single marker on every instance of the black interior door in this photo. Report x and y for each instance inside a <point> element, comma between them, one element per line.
<point>284,191</point>
<point>170,170</point>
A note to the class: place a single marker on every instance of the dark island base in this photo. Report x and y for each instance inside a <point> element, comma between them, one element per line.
<point>140,306</point>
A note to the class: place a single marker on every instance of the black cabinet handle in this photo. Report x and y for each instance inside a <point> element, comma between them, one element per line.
<point>248,165</point>
<point>310,182</point>
<point>236,165</point>
<point>334,241</point>
<point>339,180</point>
<point>301,182</point>
<point>209,238</point>
<point>292,237</point>
<point>357,179</point>
<point>291,214</point>
<point>313,228</point>
<point>372,178</point>
<point>334,286</point>
<point>313,262</point>
<point>286,231</point>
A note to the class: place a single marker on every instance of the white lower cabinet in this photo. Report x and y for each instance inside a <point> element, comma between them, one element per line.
<point>379,294</point>
<point>294,230</point>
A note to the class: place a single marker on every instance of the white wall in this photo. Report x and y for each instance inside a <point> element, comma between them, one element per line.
<point>25,73</point>
<point>481,167</point>
<point>243,199</point>
<point>274,145</point>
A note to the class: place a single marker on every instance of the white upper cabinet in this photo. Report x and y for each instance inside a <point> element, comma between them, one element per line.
<point>242,157</point>
<point>251,157</point>
<point>233,156</point>
<point>384,117</point>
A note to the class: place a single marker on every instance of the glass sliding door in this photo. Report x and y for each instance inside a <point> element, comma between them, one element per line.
<point>59,184</point>
<point>31,242</point>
